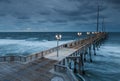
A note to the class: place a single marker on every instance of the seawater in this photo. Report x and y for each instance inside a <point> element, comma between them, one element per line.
<point>106,64</point>
<point>25,43</point>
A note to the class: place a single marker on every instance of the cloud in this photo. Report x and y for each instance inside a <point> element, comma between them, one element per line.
<point>55,13</point>
<point>5,1</point>
<point>114,3</point>
<point>2,14</point>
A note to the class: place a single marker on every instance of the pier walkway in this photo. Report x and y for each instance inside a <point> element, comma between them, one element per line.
<point>63,52</point>
<point>34,71</point>
<point>45,66</point>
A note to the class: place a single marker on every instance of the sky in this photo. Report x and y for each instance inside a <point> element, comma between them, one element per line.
<point>58,15</point>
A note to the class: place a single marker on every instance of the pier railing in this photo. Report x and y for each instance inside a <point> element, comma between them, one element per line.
<point>32,57</point>
<point>12,59</point>
<point>63,65</point>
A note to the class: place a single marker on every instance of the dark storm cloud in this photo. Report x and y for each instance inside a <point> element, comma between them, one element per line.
<point>2,14</point>
<point>114,3</point>
<point>20,15</point>
<point>68,12</point>
<point>93,17</point>
<point>81,9</point>
<point>44,13</point>
<point>39,21</point>
<point>59,21</point>
<point>5,1</point>
<point>75,11</point>
<point>52,13</point>
<point>23,17</point>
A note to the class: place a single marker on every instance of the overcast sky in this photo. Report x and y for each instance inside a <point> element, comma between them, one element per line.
<point>58,15</point>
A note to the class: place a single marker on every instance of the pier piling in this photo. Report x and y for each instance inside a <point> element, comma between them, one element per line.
<point>90,53</point>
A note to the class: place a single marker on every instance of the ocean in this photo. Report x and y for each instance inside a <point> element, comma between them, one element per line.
<point>25,43</point>
<point>105,66</point>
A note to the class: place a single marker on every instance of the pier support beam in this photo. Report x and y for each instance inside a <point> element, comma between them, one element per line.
<point>84,56</point>
<point>94,49</point>
<point>97,45</point>
<point>70,65</point>
<point>85,53</point>
<point>64,61</point>
<point>82,63</point>
<point>75,66</point>
<point>90,54</point>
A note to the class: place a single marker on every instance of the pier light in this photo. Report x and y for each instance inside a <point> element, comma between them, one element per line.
<point>58,37</point>
<point>93,32</point>
<point>88,33</point>
<point>79,34</point>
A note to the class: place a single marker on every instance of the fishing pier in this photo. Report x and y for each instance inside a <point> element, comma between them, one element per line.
<point>46,65</point>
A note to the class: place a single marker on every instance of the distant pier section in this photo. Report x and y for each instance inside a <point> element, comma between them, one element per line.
<point>70,61</point>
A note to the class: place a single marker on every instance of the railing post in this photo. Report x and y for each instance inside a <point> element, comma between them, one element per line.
<point>4,58</point>
<point>25,59</point>
<point>42,55</point>
<point>63,61</point>
<point>12,58</point>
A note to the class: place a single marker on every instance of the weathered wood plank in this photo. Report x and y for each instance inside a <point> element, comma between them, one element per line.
<point>34,71</point>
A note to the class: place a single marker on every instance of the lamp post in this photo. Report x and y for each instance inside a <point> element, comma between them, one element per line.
<point>88,35</point>
<point>58,37</point>
<point>79,34</point>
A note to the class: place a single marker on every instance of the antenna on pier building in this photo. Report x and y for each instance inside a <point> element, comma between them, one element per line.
<point>103,20</point>
<point>99,6</point>
<point>98,18</point>
<point>103,27</point>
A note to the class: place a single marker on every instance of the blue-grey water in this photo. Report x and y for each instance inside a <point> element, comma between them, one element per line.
<point>105,66</point>
<point>25,43</point>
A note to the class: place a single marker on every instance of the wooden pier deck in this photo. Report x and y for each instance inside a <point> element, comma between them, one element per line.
<point>37,67</point>
<point>38,70</point>
<point>34,71</point>
<point>63,52</point>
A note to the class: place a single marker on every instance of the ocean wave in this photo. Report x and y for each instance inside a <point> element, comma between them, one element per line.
<point>12,46</point>
<point>31,39</point>
<point>110,50</point>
